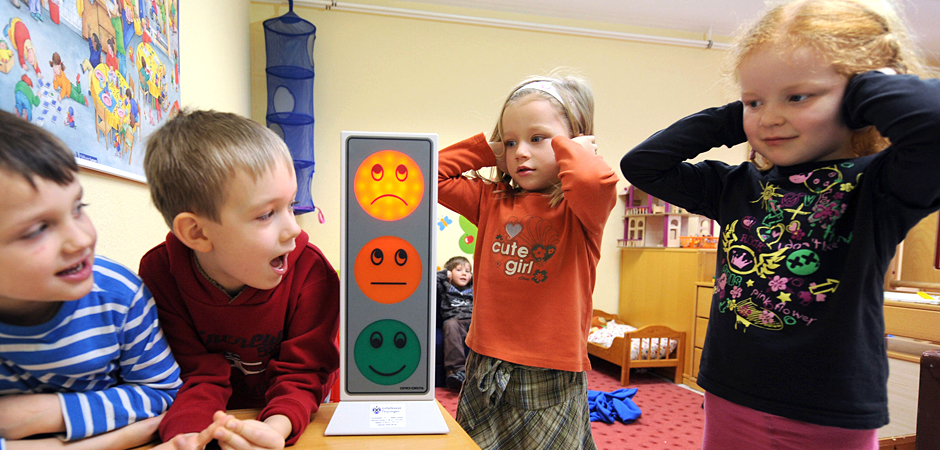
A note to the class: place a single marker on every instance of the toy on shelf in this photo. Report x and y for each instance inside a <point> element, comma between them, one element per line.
<point>652,222</point>
<point>698,241</point>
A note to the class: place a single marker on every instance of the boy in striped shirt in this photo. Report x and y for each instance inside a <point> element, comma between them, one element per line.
<point>83,362</point>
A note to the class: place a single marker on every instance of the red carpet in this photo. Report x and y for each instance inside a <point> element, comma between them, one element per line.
<point>672,418</point>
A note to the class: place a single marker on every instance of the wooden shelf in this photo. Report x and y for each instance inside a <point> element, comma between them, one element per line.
<point>912,320</point>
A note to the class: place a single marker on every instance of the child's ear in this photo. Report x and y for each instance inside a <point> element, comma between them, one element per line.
<point>188,228</point>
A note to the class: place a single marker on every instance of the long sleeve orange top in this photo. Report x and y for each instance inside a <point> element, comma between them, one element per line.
<point>535,265</point>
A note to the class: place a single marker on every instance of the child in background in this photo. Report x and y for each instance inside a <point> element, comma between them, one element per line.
<point>61,82</point>
<point>845,142</point>
<point>134,109</point>
<point>540,228</point>
<point>250,306</point>
<point>110,57</point>
<point>81,352</point>
<point>5,56</point>
<point>455,306</point>
<point>70,118</point>
<point>94,52</point>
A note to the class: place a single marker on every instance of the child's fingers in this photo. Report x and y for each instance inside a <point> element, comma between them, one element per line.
<point>188,441</point>
<point>249,434</point>
<point>229,440</point>
<point>586,141</point>
<point>204,437</point>
<point>238,438</point>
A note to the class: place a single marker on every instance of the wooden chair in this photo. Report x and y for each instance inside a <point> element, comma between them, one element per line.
<point>129,137</point>
<point>133,86</point>
<point>128,146</point>
<point>101,124</point>
<point>143,94</point>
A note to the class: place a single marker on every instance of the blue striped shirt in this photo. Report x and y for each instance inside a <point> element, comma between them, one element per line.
<point>104,355</point>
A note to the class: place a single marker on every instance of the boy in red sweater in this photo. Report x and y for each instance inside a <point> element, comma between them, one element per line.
<point>249,306</point>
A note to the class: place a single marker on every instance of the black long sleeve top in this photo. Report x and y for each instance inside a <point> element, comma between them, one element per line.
<point>796,327</point>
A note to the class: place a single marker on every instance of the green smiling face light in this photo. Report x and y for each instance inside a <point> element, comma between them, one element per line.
<point>387,352</point>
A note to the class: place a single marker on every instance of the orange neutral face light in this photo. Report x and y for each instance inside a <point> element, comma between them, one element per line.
<point>388,269</point>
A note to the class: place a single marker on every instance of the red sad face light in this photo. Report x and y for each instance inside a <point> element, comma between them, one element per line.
<point>389,185</point>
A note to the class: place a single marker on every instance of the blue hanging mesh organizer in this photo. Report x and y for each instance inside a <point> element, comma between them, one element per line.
<point>288,42</point>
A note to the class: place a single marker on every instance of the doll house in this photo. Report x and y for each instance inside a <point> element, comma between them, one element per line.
<point>652,222</point>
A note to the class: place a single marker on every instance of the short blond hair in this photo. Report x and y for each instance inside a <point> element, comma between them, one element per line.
<point>855,36</point>
<point>191,158</point>
<point>577,112</point>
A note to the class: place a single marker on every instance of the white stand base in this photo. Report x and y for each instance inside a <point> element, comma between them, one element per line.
<point>353,418</point>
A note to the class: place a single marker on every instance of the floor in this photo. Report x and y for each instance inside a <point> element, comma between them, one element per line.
<point>673,418</point>
<point>903,384</point>
<point>672,415</point>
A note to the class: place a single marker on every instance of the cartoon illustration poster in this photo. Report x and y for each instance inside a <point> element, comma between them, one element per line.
<point>99,74</point>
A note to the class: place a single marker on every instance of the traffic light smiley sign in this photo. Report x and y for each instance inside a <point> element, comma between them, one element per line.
<point>388,260</point>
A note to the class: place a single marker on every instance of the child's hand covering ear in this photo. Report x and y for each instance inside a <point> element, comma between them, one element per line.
<point>586,141</point>
<point>500,151</point>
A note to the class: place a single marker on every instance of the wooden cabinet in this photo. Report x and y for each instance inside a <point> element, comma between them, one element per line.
<point>914,321</point>
<point>658,286</point>
<point>96,19</point>
<point>674,286</point>
<point>703,302</point>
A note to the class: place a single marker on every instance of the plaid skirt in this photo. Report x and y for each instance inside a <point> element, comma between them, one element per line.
<point>509,406</point>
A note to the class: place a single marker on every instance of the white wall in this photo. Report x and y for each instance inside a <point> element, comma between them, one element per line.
<point>396,74</point>
<point>379,73</point>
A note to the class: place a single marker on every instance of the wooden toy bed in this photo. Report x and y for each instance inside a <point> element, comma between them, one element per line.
<point>619,352</point>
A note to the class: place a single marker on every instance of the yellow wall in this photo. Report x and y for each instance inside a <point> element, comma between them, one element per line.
<point>377,73</point>
<point>392,74</point>
<point>214,73</point>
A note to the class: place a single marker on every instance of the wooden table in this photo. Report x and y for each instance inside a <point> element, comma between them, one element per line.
<point>108,91</point>
<point>313,437</point>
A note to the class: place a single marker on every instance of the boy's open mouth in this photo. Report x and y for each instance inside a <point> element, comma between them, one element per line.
<point>73,270</point>
<point>280,262</point>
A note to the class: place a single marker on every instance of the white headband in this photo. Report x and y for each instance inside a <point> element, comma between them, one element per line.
<point>544,86</point>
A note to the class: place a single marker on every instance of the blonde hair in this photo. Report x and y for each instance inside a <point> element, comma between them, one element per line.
<point>855,36</point>
<point>191,158</point>
<point>577,111</point>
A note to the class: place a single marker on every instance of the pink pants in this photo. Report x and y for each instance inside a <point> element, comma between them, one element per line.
<point>729,426</point>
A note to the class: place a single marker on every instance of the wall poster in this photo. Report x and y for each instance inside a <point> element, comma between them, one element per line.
<point>99,74</point>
